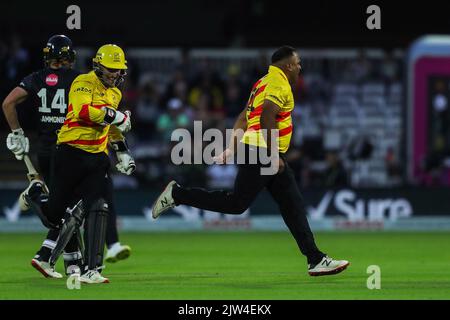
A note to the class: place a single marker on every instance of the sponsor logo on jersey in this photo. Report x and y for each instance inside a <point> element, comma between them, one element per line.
<point>83,89</point>
<point>51,80</point>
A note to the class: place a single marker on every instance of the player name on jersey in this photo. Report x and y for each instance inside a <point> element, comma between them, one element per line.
<point>52,119</point>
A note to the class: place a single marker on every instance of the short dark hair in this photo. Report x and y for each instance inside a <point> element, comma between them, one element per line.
<point>282,52</point>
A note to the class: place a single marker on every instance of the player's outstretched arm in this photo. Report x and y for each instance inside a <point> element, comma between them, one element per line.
<point>16,141</point>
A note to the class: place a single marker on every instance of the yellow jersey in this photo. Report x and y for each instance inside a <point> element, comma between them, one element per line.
<point>84,127</point>
<point>275,87</point>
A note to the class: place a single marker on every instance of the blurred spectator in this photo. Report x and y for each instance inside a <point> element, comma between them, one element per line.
<point>360,148</point>
<point>147,111</point>
<point>207,99</point>
<point>261,67</point>
<point>435,163</point>
<point>16,62</point>
<point>3,57</point>
<point>335,174</point>
<point>316,89</point>
<point>300,91</point>
<point>187,67</point>
<point>201,112</point>
<point>360,69</point>
<point>234,100</point>
<point>177,87</point>
<point>173,119</point>
<point>389,69</point>
<point>441,112</point>
<point>17,59</point>
<point>392,164</point>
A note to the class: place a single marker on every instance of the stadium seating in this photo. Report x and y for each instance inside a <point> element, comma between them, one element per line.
<point>341,99</point>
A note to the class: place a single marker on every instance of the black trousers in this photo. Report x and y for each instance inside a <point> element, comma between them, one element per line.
<point>248,184</point>
<point>46,162</point>
<point>80,173</point>
<point>76,172</point>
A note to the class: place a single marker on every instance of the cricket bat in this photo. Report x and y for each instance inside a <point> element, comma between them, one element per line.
<point>32,173</point>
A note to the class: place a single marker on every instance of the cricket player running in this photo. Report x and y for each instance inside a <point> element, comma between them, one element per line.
<point>269,107</point>
<point>49,89</point>
<point>81,162</point>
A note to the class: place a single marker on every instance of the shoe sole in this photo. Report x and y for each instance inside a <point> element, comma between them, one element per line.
<point>331,272</point>
<point>111,259</point>
<point>122,255</point>
<point>106,281</point>
<point>157,200</point>
<point>35,265</point>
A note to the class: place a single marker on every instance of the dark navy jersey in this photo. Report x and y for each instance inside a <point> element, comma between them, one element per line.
<point>49,89</point>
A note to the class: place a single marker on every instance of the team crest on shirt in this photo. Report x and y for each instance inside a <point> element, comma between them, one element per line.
<point>51,80</point>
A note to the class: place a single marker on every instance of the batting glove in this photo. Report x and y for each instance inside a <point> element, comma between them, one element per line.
<point>125,161</point>
<point>18,143</point>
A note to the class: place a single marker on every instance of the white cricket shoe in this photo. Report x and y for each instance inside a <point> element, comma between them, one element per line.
<point>34,186</point>
<point>117,252</point>
<point>45,268</point>
<point>164,202</point>
<point>93,276</point>
<point>327,266</point>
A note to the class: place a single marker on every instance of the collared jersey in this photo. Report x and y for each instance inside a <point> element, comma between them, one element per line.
<point>275,87</point>
<point>84,127</point>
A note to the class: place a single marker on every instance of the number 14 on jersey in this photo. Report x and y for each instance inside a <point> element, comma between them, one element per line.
<point>58,101</point>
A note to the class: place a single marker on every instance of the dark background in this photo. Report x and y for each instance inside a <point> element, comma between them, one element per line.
<point>220,23</point>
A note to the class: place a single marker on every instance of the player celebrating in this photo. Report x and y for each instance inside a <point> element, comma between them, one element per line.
<point>269,108</point>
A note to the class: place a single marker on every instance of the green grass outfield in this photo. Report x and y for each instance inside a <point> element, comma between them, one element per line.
<point>243,265</point>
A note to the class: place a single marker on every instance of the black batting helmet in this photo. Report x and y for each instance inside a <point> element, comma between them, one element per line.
<point>59,47</point>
